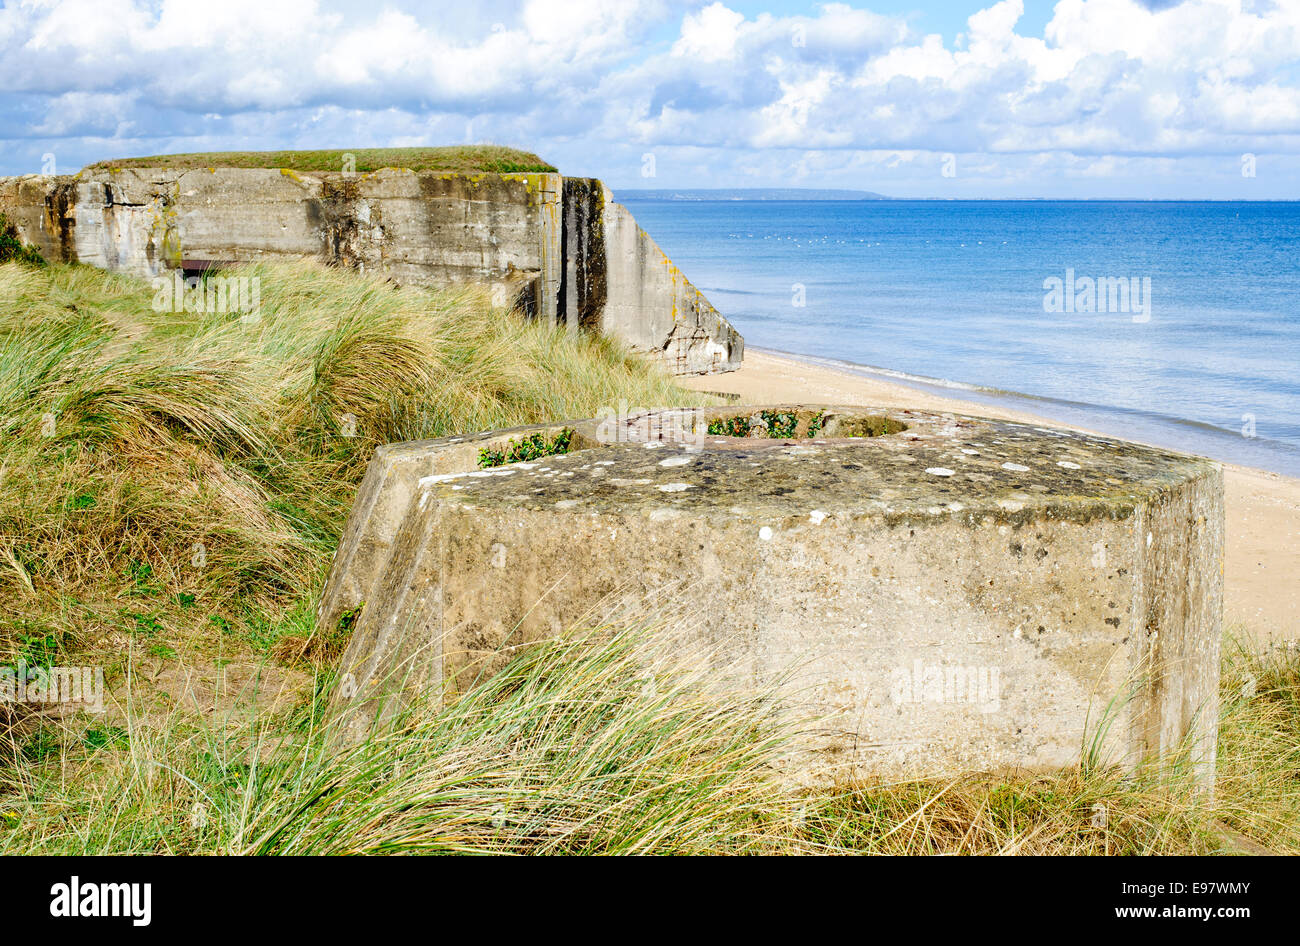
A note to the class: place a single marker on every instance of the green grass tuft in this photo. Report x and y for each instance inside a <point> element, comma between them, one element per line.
<point>599,741</point>
<point>13,249</point>
<point>460,159</point>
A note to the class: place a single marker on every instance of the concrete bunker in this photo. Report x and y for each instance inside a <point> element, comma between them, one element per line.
<point>560,249</point>
<point>949,593</point>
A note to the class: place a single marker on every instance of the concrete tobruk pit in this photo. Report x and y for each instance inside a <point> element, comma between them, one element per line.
<point>946,593</point>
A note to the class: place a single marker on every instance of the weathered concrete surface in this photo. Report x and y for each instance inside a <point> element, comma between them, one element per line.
<point>559,248</point>
<point>655,308</point>
<point>964,594</point>
<point>385,496</point>
<point>428,228</point>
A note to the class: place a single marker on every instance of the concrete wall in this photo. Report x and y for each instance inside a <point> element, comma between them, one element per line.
<point>559,247</point>
<point>618,281</point>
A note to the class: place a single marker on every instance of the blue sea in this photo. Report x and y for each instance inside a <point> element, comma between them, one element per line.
<point>957,296</point>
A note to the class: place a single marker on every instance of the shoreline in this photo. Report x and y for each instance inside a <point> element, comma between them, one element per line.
<point>1164,431</point>
<point>1262,508</point>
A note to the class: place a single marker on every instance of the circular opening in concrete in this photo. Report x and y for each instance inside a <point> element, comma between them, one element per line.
<point>797,424</point>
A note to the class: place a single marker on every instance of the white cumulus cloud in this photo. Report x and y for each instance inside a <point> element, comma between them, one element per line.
<point>1115,90</point>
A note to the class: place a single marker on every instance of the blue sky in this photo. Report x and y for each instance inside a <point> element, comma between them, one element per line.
<point>948,19</point>
<point>1015,98</point>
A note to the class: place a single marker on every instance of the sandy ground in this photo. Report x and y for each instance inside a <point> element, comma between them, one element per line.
<point>1263,509</point>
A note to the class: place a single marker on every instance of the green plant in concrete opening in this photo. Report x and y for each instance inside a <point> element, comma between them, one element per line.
<point>13,249</point>
<point>730,427</point>
<point>780,424</point>
<point>529,448</point>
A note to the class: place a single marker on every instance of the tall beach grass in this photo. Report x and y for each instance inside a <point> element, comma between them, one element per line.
<point>172,484</point>
<point>186,474</point>
<point>599,742</point>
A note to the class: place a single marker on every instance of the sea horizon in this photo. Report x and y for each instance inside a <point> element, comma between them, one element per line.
<point>639,195</point>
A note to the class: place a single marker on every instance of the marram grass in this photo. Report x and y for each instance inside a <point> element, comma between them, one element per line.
<point>600,742</point>
<point>189,473</point>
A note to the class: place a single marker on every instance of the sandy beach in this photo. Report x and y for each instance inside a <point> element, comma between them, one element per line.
<point>1262,593</point>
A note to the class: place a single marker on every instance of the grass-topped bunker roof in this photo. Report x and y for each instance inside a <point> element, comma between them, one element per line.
<point>468,159</point>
